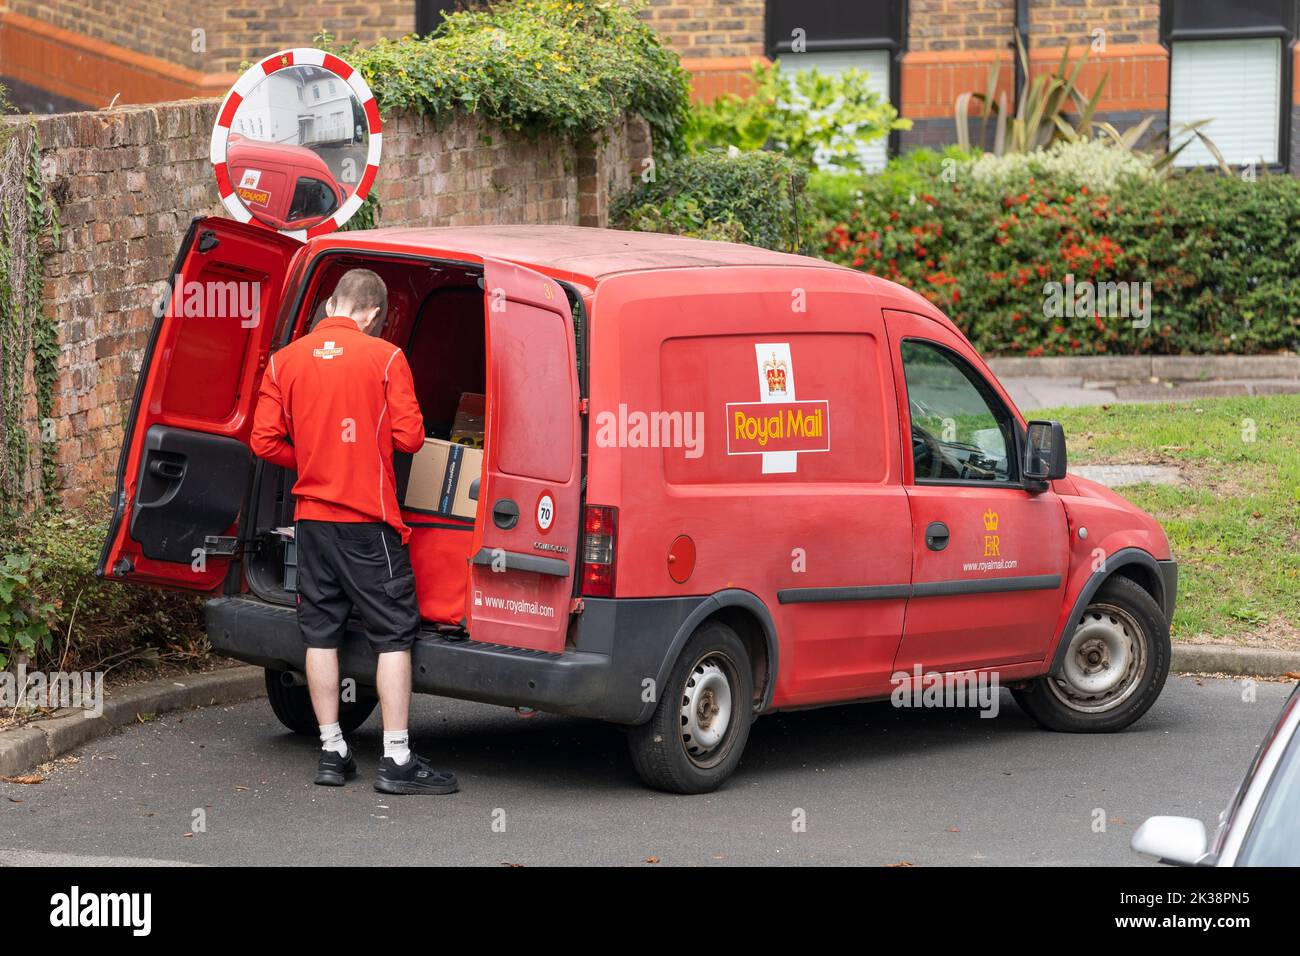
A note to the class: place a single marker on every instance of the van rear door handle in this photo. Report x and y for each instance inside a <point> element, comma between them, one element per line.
<point>167,470</point>
<point>936,536</point>
<point>505,514</point>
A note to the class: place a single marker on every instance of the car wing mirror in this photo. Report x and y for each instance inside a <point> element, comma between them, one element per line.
<point>473,489</point>
<point>1044,451</point>
<point>1177,840</point>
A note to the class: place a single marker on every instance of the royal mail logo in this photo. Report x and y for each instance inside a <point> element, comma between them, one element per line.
<point>776,374</point>
<point>777,426</point>
<point>258,197</point>
<point>329,351</point>
<point>759,428</point>
<point>250,179</point>
<point>992,540</point>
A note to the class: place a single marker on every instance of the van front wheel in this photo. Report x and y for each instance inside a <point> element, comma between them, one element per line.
<point>694,740</point>
<point>1115,665</point>
<point>291,703</point>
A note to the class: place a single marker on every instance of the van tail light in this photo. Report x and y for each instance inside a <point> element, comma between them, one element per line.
<point>599,550</point>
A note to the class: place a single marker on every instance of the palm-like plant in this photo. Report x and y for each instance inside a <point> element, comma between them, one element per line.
<point>1053,107</point>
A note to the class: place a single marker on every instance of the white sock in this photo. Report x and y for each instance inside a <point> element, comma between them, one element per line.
<point>397,745</point>
<point>331,738</point>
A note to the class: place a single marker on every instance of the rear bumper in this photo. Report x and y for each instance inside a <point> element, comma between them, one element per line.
<point>592,680</point>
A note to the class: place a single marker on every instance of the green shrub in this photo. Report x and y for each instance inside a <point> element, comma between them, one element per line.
<point>56,552</point>
<point>755,197</point>
<point>534,64</point>
<point>821,120</point>
<point>905,177</point>
<point>1220,254</point>
<point>25,611</point>
<point>1095,163</point>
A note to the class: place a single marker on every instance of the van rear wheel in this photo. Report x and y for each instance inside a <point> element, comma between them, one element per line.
<point>1115,665</point>
<point>291,703</point>
<point>694,740</point>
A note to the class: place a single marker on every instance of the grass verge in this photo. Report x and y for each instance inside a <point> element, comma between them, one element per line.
<point>1234,522</point>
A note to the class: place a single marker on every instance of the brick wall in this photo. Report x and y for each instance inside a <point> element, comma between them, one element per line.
<point>936,25</point>
<point>129,180</point>
<point>1053,22</point>
<point>232,31</point>
<point>708,29</point>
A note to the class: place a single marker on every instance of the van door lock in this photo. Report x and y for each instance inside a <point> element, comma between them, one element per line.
<point>219,545</point>
<point>505,514</point>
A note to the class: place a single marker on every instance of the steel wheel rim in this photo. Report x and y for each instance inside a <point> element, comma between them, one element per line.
<point>707,709</point>
<point>1104,662</point>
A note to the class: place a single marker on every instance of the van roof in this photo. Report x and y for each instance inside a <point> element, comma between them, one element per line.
<point>577,250</point>
<point>263,151</point>
<point>587,255</point>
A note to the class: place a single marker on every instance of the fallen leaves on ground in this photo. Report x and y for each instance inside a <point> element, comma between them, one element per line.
<point>26,778</point>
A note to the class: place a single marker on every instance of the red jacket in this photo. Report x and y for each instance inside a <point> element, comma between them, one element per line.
<point>333,405</point>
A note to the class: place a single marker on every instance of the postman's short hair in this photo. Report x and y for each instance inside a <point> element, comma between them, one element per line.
<point>359,291</point>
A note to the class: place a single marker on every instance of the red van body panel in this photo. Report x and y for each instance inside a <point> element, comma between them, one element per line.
<point>747,420</point>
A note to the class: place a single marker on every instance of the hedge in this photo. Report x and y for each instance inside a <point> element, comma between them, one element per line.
<point>1221,254</point>
<point>740,196</point>
<point>570,65</point>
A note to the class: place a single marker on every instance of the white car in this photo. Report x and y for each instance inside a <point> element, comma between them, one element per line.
<point>1260,827</point>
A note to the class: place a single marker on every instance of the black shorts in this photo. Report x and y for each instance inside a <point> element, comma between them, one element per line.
<point>343,565</point>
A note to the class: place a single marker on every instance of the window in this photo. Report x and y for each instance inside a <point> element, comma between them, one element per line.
<point>1230,64</point>
<point>1237,86</point>
<point>312,199</point>
<point>961,431</point>
<point>832,36</point>
<point>1274,837</point>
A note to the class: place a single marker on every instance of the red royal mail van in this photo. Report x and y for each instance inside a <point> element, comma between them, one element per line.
<point>285,185</point>
<point>716,482</point>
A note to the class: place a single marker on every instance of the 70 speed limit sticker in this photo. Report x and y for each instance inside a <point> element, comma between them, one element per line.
<point>545,512</point>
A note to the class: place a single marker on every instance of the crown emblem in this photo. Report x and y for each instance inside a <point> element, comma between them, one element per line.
<point>990,520</point>
<point>774,372</point>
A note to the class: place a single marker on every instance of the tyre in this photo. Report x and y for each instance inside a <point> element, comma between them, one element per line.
<point>292,706</point>
<point>694,740</point>
<point>1115,665</point>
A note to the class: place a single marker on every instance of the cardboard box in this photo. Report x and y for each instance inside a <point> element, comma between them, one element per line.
<point>468,426</point>
<point>441,474</point>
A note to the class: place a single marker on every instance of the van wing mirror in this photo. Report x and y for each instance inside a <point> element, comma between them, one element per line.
<point>1177,840</point>
<point>1045,451</point>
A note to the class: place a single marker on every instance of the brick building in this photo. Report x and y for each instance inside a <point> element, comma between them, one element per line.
<point>1182,60</point>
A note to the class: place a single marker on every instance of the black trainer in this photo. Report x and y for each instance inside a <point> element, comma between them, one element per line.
<point>334,769</point>
<point>414,776</point>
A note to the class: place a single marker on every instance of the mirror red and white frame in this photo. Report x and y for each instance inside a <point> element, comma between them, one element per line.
<point>303,56</point>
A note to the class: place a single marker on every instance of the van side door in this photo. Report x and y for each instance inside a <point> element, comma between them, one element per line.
<point>530,494</point>
<point>989,556</point>
<point>184,470</point>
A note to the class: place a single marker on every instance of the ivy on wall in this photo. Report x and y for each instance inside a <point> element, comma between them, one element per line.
<point>29,227</point>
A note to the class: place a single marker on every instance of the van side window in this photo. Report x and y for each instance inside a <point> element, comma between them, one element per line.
<point>961,431</point>
<point>312,198</point>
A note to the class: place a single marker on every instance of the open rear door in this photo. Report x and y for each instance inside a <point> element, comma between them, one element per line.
<point>530,493</point>
<point>185,464</point>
